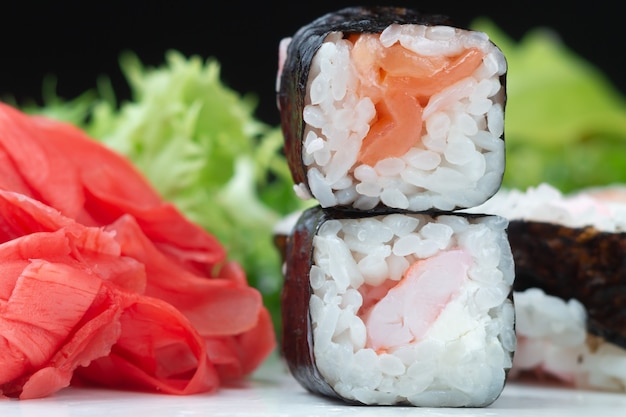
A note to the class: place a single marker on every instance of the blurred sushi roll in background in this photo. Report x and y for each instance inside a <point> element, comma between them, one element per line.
<point>570,283</point>
<point>399,308</point>
<point>388,108</point>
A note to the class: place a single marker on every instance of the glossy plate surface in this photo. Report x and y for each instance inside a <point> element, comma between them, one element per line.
<point>272,392</point>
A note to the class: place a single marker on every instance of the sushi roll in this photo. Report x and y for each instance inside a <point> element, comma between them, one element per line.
<point>399,308</point>
<point>384,108</point>
<point>570,285</point>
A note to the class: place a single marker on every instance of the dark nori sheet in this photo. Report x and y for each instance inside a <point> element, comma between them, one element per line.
<point>297,335</point>
<point>582,263</point>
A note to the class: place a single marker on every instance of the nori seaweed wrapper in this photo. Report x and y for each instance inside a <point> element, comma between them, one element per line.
<point>301,50</point>
<point>297,334</point>
<point>582,263</point>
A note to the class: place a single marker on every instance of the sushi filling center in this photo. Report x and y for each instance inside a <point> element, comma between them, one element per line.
<point>403,314</point>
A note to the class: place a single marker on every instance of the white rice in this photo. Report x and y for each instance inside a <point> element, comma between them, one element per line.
<point>462,359</point>
<point>553,341</point>
<point>460,160</point>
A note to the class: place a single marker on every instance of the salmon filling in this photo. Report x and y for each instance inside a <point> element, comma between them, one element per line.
<point>400,84</point>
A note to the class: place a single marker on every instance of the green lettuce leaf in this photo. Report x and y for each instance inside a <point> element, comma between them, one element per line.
<point>565,122</point>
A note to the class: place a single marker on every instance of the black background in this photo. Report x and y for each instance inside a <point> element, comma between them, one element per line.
<point>78,41</point>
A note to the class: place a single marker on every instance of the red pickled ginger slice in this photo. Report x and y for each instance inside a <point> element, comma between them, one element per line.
<point>39,165</point>
<point>217,306</point>
<point>154,302</point>
<point>56,319</point>
<point>158,349</point>
<point>66,169</point>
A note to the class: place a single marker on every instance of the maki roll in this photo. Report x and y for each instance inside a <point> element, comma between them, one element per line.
<point>392,120</point>
<point>570,285</point>
<point>399,308</point>
<point>385,107</point>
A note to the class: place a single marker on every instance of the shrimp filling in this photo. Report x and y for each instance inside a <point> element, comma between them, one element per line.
<point>408,310</point>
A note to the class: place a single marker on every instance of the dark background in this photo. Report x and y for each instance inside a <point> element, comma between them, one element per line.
<point>78,41</point>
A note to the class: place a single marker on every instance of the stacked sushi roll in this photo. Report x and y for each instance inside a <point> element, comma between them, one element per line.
<point>393,121</point>
<point>382,108</point>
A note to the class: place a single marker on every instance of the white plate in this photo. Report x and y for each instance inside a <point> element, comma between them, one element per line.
<point>272,392</point>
